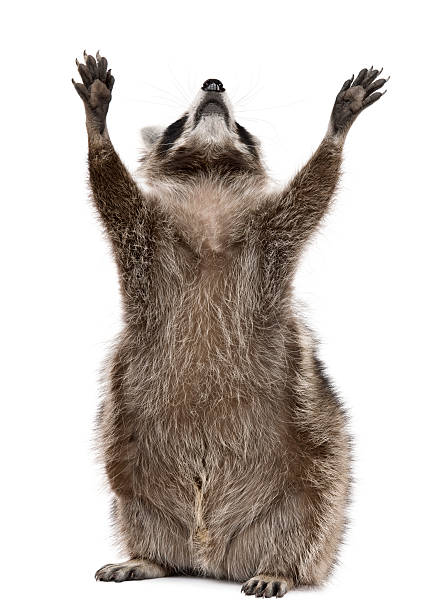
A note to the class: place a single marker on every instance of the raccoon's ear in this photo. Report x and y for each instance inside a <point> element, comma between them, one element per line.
<point>151,135</point>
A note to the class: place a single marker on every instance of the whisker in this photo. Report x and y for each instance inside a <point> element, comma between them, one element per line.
<point>257,110</point>
<point>246,97</point>
<point>252,92</point>
<point>169,104</point>
<point>179,86</point>
<point>165,91</point>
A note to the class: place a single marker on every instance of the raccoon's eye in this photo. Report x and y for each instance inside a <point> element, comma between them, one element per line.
<point>172,133</point>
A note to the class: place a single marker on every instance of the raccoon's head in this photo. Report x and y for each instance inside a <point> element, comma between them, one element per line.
<point>205,141</point>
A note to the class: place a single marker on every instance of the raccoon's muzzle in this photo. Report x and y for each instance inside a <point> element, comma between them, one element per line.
<point>212,104</point>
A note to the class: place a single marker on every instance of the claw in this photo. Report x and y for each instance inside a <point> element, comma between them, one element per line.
<point>85,55</point>
<point>77,62</point>
<point>98,56</point>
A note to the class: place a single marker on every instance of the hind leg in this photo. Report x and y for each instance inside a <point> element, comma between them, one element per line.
<point>292,543</point>
<point>156,544</point>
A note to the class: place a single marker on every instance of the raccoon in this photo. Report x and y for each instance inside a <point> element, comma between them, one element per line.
<point>224,443</point>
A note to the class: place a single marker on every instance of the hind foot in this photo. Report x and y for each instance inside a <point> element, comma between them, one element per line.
<point>263,585</point>
<point>135,569</point>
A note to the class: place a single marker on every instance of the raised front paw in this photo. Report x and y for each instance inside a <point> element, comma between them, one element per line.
<point>354,97</point>
<point>96,88</point>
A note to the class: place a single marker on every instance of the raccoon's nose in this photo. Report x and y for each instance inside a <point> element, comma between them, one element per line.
<point>213,85</point>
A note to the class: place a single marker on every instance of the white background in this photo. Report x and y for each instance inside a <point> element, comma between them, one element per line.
<point>370,279</point>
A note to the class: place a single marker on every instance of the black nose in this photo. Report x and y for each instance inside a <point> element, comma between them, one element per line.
<point>213,85</point>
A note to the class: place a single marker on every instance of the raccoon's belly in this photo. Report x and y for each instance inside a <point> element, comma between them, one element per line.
<point>206,365</point>
<point>194,418</point>
<point>194,439</point>
<point>204,401</point>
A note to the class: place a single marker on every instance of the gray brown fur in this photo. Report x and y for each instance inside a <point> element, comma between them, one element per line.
<point>224,444</point>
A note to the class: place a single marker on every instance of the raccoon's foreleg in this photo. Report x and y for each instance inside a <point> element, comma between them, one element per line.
<point>295,213</point>
<point>129,216</point>
<point>303,203</point>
